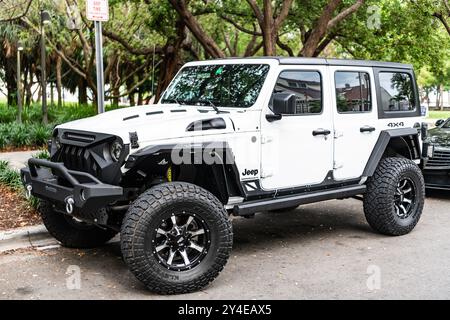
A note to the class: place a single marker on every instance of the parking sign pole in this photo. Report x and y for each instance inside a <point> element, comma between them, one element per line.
<point>99,62</point>
<point>98,11</point>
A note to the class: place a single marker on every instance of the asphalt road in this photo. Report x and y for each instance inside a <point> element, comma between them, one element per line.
<point>319,251</point>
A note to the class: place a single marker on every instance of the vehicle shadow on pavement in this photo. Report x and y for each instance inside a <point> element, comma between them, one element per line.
<point>304,224</point>
<point>438,194</point>
<point>266,233</point>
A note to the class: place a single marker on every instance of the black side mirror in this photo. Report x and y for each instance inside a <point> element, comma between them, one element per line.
<point>440,122</point>
<point>284,103</point>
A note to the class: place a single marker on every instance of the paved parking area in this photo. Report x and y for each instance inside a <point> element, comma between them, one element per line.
<point>320,251</point>
<point>17,159</point>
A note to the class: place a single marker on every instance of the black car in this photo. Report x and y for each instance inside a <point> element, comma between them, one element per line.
<point>437,169</point>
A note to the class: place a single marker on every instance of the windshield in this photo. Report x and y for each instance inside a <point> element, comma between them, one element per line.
<point>446,125</point>
<point>227,85</point>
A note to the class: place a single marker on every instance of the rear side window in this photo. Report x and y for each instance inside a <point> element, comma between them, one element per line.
<point>353,94</point>
<point>397,92</point>
<point>306,85</point>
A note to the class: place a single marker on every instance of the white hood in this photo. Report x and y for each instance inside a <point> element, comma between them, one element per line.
<point>154,122</point>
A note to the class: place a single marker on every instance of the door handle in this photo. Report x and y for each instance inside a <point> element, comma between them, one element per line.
<point>321,132</point>
<point>367,129</point>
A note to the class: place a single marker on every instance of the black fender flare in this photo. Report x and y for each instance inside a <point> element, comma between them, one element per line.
<point>224,169</point>
<point>410,137</point>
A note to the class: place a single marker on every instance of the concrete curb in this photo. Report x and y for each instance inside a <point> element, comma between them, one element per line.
<point>27,237</point>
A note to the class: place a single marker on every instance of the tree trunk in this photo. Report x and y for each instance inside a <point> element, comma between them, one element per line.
<point>270,41</point>
<point>172,59</point>
<point>116,93</point>
<point>52,94</point>
<point>59,80</point>
<point>441,97</point>
<point>113,80</point>
<point>132,99</point>
<point>27,94</point>
<point>10,79</point>
<point>131,95</point>
<point>269,30</point>
<point>82,92</point>
<point>140,101</point>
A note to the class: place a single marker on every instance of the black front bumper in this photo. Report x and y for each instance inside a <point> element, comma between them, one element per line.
<point>437,179</point>
<point>54,182</point>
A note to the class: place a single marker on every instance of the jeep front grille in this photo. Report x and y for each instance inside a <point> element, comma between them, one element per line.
<point>78,159</point>
<point>89,152</point>
<point>440,160</point>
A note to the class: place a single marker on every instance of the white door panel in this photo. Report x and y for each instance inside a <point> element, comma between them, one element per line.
<point>291,155</point>
<point>356,133</point>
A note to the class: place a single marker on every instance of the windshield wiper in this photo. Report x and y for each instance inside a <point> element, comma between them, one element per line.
<point>210,104</point>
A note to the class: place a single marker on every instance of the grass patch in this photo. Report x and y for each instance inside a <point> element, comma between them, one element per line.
<point>43,154</point>
<point>18,211</point>
<point>438,115</point>
<point>11,179</point>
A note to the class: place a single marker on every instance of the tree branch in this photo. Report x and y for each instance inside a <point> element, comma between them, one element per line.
<point>257,11</point>
<point>283,13</point>
<point>442,19</point>
<point>255,49</point>
<point>325,42</point>
<point>133,88</point>
<point>194,26</point>
<point>319,29</point>
<point>447,6</point>
<point>240,28</point>
<point>136,51</point>
<point>60,53</point>
<point>344,14</point>
<point>285,47</point>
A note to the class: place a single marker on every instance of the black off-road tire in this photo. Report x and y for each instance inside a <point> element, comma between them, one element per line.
<point>140,226</point>
<point>379,201</point>
<point>69,232</point>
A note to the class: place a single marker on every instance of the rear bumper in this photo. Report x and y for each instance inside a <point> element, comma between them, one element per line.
<point>75,190</point>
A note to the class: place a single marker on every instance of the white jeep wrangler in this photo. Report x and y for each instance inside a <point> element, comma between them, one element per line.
<point>235,136</point>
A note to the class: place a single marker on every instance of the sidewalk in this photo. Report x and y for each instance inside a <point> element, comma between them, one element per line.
<point>26,237</point>
<point>17,160</point>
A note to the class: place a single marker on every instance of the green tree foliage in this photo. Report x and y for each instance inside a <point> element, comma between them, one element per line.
<point>147,41</point>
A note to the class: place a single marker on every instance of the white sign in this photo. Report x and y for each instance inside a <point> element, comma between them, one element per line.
<point>97,10</point>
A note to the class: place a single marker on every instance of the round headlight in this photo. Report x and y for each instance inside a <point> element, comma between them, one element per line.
<point>116,151</point>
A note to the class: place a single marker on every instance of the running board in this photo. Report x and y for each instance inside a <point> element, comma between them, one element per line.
<point>251,207</point>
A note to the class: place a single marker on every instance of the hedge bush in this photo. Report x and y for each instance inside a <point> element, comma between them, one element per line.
<point>32,133</point>
<point>24,135</point>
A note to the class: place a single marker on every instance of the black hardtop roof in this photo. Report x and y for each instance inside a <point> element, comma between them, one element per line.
<point>334,62</point>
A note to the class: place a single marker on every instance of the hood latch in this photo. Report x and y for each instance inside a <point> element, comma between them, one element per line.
<point>134,140</point>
